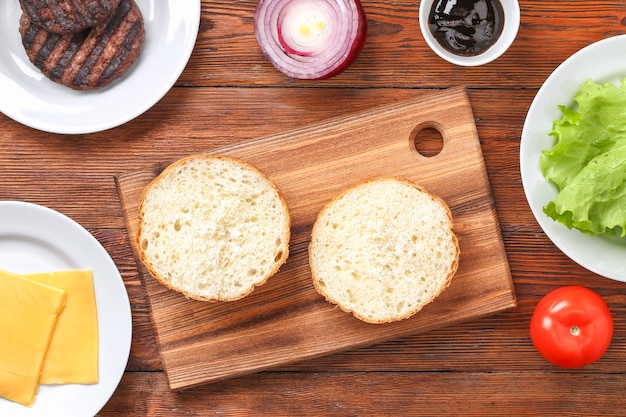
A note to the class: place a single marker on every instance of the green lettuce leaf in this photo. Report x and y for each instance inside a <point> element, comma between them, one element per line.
<point>588,161</point>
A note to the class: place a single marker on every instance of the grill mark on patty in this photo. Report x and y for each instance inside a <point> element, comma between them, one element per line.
<point>29,35</point>
<point>66,59</point>
<point>123,52</point>
<point>46,49</point>
<point>28,8</point>
<point>61,17</point>
<point>106,4</point>
<point>113,25</point>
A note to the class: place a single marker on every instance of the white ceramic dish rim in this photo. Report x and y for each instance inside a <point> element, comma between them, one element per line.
<point>31,99</point>
<point>35,238</point>
<point>603,255</point>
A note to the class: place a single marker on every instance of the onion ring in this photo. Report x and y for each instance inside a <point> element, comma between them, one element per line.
<point>310,39</point>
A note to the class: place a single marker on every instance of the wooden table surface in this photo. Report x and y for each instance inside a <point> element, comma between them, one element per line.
<point>229,94</point>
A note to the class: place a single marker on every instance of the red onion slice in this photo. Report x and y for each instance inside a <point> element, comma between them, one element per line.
<point>310,39</point>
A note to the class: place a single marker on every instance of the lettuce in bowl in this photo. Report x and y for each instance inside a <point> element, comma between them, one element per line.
<point>588,161</point>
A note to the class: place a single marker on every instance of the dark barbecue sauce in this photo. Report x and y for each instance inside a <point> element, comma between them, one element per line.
<point>466,27</point>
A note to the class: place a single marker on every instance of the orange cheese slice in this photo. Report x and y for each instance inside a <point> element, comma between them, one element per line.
<point>73,354</point>
<point>28,316</point>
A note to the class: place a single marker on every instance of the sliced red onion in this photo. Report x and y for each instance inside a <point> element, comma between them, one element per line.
<point>310,39</point>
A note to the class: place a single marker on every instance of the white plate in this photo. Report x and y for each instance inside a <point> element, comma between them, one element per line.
<point>600,62</point>
<point>31,99</point>
<point>34,239</point>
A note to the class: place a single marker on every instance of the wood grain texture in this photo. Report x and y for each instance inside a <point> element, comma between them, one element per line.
<point>288,321</point>
<point>381,394</point>
<point>227,96</point>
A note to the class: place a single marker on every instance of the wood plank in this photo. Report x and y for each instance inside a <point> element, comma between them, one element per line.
<point>395,52</point>
<point>225,97</point>
<point>376,394</point>
<point>498,343</point>
<point>81,168</point>
<point>287,320</point>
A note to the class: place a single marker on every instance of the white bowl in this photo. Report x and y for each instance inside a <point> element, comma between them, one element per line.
<point>27,96</point>
<point>509,32</point>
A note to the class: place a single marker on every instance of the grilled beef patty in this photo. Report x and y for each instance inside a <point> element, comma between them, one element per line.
<point>91,58</point>
<point>68,16</point>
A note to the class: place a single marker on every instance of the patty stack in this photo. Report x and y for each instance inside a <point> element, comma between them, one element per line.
<point>82,44</point>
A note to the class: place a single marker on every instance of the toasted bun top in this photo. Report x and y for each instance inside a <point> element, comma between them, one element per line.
<point>213,227</point>
<point>383,249</point>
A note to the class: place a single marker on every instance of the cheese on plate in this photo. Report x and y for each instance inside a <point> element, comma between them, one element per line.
<point>73,353</point>
<point>28,316</point>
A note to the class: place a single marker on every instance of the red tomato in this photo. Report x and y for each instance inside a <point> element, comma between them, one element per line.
<point>571,327</point>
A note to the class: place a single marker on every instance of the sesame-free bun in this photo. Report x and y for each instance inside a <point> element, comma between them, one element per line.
<point>212,227</point>
<point>383,249</point>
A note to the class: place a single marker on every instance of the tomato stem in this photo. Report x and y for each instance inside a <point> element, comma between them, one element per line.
<point>574,330</point>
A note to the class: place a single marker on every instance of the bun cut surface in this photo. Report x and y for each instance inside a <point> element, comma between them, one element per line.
<point>383,249</point>
<point>212,228</point>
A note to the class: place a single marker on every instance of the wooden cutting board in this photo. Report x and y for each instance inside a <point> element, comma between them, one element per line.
<point>286,320</point>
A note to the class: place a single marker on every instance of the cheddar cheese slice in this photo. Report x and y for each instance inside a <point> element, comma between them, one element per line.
<point>28,316</point>
<point>73,354</point>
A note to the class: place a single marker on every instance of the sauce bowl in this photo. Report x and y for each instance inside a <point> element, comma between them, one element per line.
<point>508,30</point>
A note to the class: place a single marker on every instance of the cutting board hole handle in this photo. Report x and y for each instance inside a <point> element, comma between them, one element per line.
<point>427,140</point>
